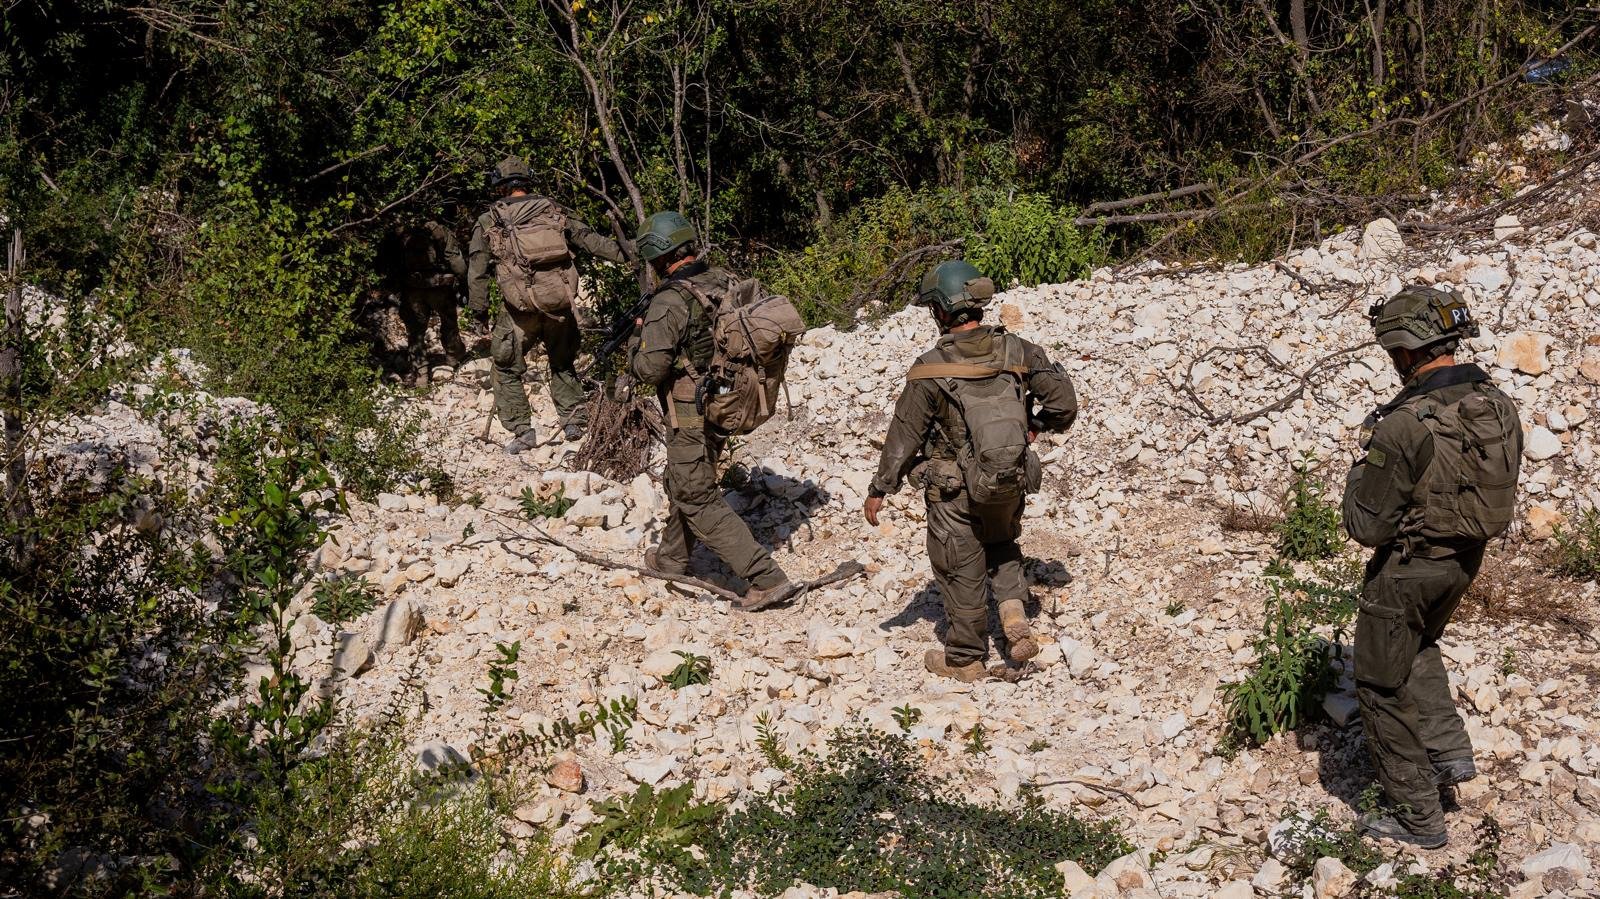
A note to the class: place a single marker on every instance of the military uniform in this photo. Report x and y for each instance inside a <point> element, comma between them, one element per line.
<point>968,544</point>
<point>675,340</point>
<point>516,331</point>
<point>433,270</point>
<point>1413,584</point>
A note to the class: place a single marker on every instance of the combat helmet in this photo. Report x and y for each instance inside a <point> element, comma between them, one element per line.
<point>662,233</point>
<point>510,170</point>
<point>1420,317</point>
<point>955,287</point>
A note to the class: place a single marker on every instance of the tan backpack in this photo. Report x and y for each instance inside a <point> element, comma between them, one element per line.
<point>533,263</point>
<point>752,332</point>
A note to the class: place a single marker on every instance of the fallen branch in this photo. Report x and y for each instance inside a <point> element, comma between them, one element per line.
<point>844,572</point>
<point>1174,194</point>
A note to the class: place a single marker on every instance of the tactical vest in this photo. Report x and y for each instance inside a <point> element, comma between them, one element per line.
<point>696,347</point>
<point>422,254</point>
<point>1469,491</point>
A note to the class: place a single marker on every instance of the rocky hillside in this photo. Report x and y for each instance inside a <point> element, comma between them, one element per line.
<point>1200,389</point>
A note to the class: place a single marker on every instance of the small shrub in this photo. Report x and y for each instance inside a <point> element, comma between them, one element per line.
<point>342,599</point>
<point>870,817</point>
<point>1577,551</point>
<point>1315,836</point>
<point>501,669</point>
<point>1310,527</point>
<point>638,834</point>
<point>977,740</point>
<point>1294,671</point>
<point>770,745</point>
<point>553,506</point>
<point>694,669</point>
<point>906,717</point>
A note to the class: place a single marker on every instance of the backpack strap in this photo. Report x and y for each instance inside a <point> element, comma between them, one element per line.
<point>926,371</point>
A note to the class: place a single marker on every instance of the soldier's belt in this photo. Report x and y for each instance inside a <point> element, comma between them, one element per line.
<point>928,371</point>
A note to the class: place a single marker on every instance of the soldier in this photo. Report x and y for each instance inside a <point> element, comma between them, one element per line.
<point>961,429</point>
<point>672,343</point>
<point>1439,478</point>
<point>428,269</point>
<point>529,243</point>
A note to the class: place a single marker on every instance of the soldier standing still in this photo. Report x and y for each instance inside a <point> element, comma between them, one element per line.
<point>1438,480</point>
<point>430,273</point>
<point>976,376</point>
<point>671,344</point>
<point>534,266</point>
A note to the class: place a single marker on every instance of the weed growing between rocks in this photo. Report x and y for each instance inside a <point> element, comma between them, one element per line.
<point>694,669</point>
<point>1294,665</point>
<point>344,598</point>
<point>1310,527</point>
<point>535,507</point>
<point>1312,837</point>
<point>1577,550</point>
<point>867,816</point>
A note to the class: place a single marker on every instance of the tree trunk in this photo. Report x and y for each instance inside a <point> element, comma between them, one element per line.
<point>18,507</point>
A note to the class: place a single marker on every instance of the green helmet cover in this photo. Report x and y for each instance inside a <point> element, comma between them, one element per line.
<point>511,168</point>
<point>1419,317</point>
<point>955,286</point>
<point>662,233</point>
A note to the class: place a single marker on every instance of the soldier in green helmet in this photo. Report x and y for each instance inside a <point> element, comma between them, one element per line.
<point>529,244</point>
<point>1438,479</point>
<point>671,347</point>
<point>961,430</point>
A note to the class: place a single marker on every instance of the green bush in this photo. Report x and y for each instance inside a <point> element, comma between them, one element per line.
<point>1310,527</point>
<point>1315,836</point>
<point>867,816</point>
<point>1577,551</point>
<point>873,256</point>
<point>1294,671</point>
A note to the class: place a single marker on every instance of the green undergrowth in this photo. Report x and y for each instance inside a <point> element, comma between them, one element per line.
<point>1577,549</point>
<point>1295,665</point>
<point>1479,876</point>
<point>865,816</point>
<point>1310,528</point>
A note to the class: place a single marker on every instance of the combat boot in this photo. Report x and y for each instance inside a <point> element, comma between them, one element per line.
<point>1454,771</point>
<point>1020,644</point>
<point>1388,827</point>
<point>525,440</point>
<point>936,663</point>
<point>652,561</point>
<point>756,599</point>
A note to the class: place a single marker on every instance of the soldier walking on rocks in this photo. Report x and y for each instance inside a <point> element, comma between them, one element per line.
<point>962,429</point>
<point>529,243</point>
<point>429,270</point>
<point>671,347</point>
<point>1438,480</point>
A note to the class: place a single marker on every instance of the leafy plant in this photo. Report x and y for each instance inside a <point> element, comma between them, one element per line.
<point>1315,836</point>
<point>1310,526</point>
<point>342,599</point>
<point>906,717</point>
<point>644,832</point>
<point>868,816</point>
<point>694,669</point>
<point>1577,549</point>
<point>977,742</point>
<point>1175,608</point>
<point>553,506</point>
<point>501,670</point>
<point>1294,671</point>
<point>770,745</point>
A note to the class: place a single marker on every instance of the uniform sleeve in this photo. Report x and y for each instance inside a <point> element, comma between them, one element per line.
<point>583,237</point>
<point>478,262</point>
<point>656,345</point>
<point>913,415</point>
<point>1381,486</point>
<point>452,254</point>
<point>1051,389</point>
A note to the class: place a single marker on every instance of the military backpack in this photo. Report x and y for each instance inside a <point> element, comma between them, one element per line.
<point>997,465</point>
<point>752,332</point>
<point>533,263</point>
<point>1469,492</point>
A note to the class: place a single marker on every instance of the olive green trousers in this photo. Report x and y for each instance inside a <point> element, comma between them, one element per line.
<point>514,335</point>
<point>1407,712</point>
<point>971,549</point>
<point>697,510</point>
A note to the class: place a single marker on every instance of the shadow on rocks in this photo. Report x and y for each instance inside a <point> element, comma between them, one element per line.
<point>776,505</point>
<point>1343,767</point>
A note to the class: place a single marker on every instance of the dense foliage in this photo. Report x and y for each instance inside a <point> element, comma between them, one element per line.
<point>225,169</point>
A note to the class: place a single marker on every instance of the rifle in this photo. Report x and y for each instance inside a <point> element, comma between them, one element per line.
<point>604,365</point>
